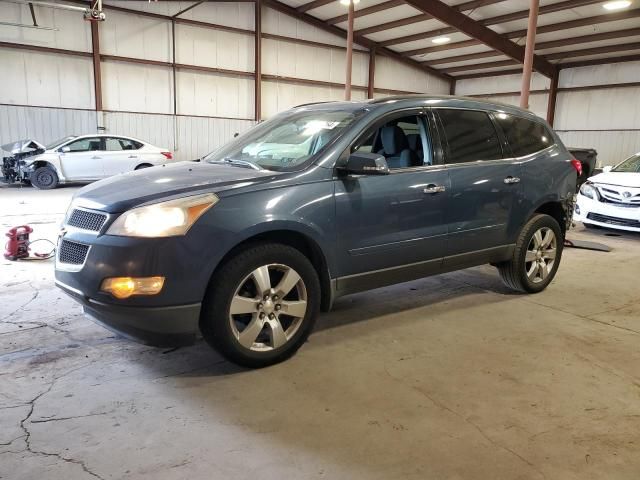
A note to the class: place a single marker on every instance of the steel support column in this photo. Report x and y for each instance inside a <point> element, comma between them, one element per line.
<point>347,83</point>
<point>372,73</point>
<point>553,94</point>
<point>529,51</point>
<point>97,75</point>
<point>258,61</point>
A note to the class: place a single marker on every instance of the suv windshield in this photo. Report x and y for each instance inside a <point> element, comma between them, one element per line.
<point>53,145</point>
<point>630,165</point>
<point>286,141</point>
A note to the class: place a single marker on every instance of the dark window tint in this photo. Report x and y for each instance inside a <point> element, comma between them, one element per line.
<point>85,145</point>
<point>523,135</point>
<point>470,136</point>
<point>114,144</point>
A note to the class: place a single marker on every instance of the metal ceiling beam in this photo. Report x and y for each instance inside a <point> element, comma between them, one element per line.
<point>600,61</point>
<point>480,66</point>
<point>565,42</point>
<point>594,51</point>
<point>474,29</point>
<point>496,73</point>
<point>555,7</point>
<point>425,16</point>
<point>554,27</point>
<point>367,11</point>
<point>185,10</point>
<point>359,39</point>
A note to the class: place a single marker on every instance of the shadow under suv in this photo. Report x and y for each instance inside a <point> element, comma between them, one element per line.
<point>320,201</point>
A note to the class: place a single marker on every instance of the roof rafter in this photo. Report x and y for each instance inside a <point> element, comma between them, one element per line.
<point>554,27</point>
<point>367,11</point>
<point>555,7</point>
<point>474,29</point>
<point>473,4</point>
<point>365,42</point>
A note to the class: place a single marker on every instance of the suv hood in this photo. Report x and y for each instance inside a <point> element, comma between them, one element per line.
<point>127,190</point>
<point>622,179</point>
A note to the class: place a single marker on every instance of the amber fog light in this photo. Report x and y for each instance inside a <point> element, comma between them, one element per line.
<point>124,287</point>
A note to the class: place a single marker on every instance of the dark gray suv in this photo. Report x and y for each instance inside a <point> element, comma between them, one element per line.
<point>320,201</point>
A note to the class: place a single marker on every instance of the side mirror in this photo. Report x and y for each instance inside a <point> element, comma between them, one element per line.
<point>607,169</point>
<point>363,163</point>
<point>65,149</point>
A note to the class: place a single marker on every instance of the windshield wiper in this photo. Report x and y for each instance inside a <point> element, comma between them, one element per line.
<point>238,163</point>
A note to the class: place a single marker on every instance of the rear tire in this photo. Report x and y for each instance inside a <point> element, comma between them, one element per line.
<point>44,178</point>
<point>261,305</point>
<point>537,255</point>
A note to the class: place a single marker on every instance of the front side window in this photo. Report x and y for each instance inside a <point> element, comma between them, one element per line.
<point>114,144</point>
<point>630,165</point>
<point>400,141</point>
<point>85,145</point>
<point>524,136</point>
<point>470,136</point>
<point>286,141</point>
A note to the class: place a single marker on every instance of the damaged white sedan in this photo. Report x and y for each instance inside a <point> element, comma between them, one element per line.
<point>81,159</point>
<point>612,198</point>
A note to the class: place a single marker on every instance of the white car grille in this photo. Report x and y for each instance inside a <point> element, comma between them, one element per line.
<point>620,196</point>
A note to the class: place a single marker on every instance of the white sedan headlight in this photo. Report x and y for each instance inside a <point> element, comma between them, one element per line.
<point>165,219</point>
<point>589,191</point>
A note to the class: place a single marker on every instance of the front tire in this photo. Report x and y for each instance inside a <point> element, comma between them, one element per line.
<point>536,257</point>
<point>261,305</point>
<point>44,178</point>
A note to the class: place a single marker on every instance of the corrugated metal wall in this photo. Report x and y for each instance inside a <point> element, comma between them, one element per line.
<point>607,119</point>
<point>138,99</point>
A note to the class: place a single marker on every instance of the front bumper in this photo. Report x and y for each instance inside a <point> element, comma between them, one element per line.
<point>159,326</point>
<point>607,215</point>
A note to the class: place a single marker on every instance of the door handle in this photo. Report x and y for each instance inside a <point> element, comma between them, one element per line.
<point>133,156</point>
<point>431,188</point>
<point>509,180</point>
<point>95,157</point>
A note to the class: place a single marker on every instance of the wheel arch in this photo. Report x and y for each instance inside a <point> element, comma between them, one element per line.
<point>301,242</point>
<point>556,209</point>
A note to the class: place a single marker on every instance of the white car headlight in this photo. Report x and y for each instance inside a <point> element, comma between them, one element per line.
<point>589,191</point>
<point>165,219</point>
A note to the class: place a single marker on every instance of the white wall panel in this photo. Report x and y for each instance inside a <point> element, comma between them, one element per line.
<point>231,14</point>
<point>129,35</point>
<point>600,75</point>
<point>606,109</point>
<point>44,125</point>
<point>612,146</point>
<point>498,84</point>
<point>137,88</point>
<point>326,64</point>
<point>394,75</point>
<point>72,33</point>
<point>46,79</point>
<point>214,48</point>
<point>201,93</point>
<point>279,96</point>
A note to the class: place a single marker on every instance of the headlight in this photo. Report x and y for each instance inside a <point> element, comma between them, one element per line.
<point>165,219</point>
<point>589,191</point>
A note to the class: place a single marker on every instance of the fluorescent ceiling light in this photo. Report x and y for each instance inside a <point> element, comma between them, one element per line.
<point>346,2</point>
<point>616,5</point>
<point>441,40</point>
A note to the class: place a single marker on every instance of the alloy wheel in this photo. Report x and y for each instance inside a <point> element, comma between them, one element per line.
<point>541,255</point>
<point>268,307</point>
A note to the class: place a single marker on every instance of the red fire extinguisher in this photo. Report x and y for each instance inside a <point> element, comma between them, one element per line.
<point>18,244</point>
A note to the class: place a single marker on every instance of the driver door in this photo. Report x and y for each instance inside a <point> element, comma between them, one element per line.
<point>392,227</point>
<point>83,160</point>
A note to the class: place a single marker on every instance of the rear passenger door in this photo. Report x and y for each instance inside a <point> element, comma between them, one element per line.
<point>482,210</point>
<point>120,156</point>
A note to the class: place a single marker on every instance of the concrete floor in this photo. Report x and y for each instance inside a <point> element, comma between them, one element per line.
<point>449,377</point>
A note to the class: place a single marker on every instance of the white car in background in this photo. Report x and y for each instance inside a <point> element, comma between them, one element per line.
<point>87,158</point>
<point>612,198</point>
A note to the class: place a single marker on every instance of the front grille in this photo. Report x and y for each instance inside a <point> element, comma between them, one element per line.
<point>72,253</point>
<point>87,220</point>
<point>621,222</point>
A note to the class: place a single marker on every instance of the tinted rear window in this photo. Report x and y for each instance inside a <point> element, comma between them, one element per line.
<point>470,136</point>
<point>524,136</point>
